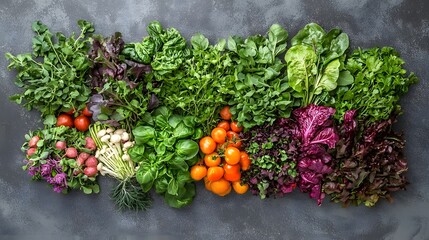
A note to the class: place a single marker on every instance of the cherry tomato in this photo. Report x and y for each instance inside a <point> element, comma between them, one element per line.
<point>215,173</point>
<point>70,112</point>
<point>224,125</point>
<point>86,112</point>
<point>64,120</point>
<point>212,160</point>
<point>198,172</point>
<point>244,161</point>
<point>232,172</point>
<point>240,188</point>
<point>219,135</point>
<point>221,187</point>
<point>232,155</point>
<point>233,139</point>
<point>207,145</point>
<point>225,114</point>
<point>82,123</point>
<point>235,127</point>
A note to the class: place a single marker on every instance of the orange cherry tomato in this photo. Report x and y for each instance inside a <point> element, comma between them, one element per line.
<point>212,160</point>
<point>232,172</point>
<point>244,161</point>
<point>215,173</point>
<point>225,114</point>
<point>65,120</point>
<point>198,172</point>
<point>233,139</point>
<point>220,187</point>
<point>224,125</point>
<point>218,135</point>
<point>240,188</point>
<point>232,155</point>
<point>207,145</point>
<point>81,123</point>
<point>235,127</point>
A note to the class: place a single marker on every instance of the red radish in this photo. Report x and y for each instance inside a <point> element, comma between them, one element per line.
<point>82,158</point>
<point>90,144</point>
<point>76,172</point>
<point>80,161</point>
<point>33,141</point>
<point>84,155</point>
<point>31,151</point>
<point>60,145</point>
<point>91,162</point>
<point>71,152</point>
<point>90,171</point>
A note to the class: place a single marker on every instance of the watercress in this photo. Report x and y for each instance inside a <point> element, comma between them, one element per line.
<point>54,75</point>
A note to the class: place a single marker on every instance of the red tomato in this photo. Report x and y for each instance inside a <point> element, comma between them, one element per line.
<point>70,112</point>
<point>86,112</point>
<point>235,127</point>
<point>224,125</point>
<point>64,120</point>
<point>233,139</point>
<point>225,114</point>
<point>82,123</point>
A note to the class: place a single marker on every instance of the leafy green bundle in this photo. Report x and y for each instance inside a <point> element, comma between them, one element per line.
<point>261,91</point>
<point>315,63</point>
<point>194,80</point>
<point>379,81</point>
<point>165,148</point>
<point>58,83</point>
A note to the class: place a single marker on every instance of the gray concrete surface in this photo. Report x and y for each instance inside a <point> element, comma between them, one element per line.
<point>30,209</point>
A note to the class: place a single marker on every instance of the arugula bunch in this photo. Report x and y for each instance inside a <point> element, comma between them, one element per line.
<point>379,81</point>
<point>164,149</point>
<point>261,93</point>
<point>315,63</point>
<point>57,83</point>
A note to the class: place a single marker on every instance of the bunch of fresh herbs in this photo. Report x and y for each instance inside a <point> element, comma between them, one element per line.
<point>54,75</point>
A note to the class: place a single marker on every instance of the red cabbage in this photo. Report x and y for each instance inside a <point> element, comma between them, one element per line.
<point>316,133</point>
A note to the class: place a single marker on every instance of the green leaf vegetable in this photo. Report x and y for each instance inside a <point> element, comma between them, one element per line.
<point>379,81</point>
<point>165,148</point>
<point>195,80</point>
<point>57,83</point>
<point>315,63</point>
<point>261,92</point>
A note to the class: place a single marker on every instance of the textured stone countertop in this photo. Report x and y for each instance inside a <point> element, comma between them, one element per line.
<point>31,209</point>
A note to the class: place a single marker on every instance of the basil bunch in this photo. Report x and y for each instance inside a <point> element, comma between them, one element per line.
<point>165,149</point>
